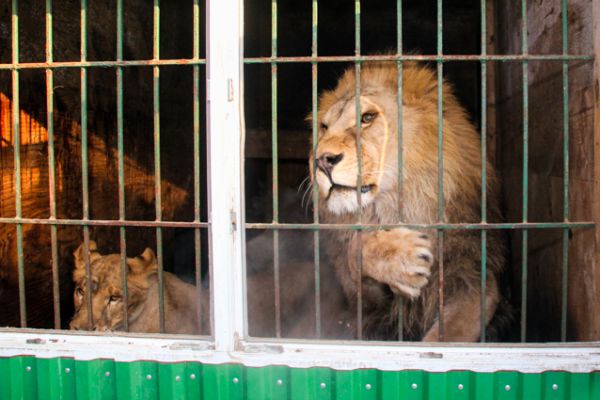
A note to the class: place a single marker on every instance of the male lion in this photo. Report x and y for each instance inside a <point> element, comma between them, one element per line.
<point>401,263</point>
<point>181,315</point>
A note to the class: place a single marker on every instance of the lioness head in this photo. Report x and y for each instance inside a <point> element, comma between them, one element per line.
<point>106,286</point>
<point>336,157</point>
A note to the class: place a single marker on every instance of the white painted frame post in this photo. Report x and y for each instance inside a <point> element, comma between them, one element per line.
<point>225,132</point>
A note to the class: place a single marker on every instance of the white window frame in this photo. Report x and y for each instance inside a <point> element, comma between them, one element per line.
<point>230,343</point>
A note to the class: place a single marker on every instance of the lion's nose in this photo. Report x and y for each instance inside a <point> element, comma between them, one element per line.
<point>327,161</point>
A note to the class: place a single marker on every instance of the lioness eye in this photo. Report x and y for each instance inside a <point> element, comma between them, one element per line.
<point>114,298</point>
<point>367,118</point>
<point>79,291</point>
<point>324,126</point>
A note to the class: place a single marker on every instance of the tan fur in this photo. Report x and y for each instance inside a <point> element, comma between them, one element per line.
<point>181,313</point>
<point>402,263</point>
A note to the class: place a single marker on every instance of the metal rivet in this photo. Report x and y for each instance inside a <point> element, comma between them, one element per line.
<point>460,386</point>
<point>148,376</point>
<point>107,373</point>
<point>28,368</point>
<point>192,376</point>
<point>555,387</point>
<point>507,388</point>
<point>279,382</point>
<point>323,385</point>
<point>67,370</point>
<point>235,380</point>
<point>368,386</point>
<point>177,378</point>
<point>414,386</point>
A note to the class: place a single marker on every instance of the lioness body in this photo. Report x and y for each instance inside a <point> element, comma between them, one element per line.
<point>180,301</point>
<point>400,267</point>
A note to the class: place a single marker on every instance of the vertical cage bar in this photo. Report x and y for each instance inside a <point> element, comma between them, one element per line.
<point>17,160</point>
<point>400,138</point>
<point>565,233</point>
<point>275,167</point>
<point>84,161</point>
<point>315,191</point>
<point>357,73</point>
<point>524,270</point>
<point>197,216</point>
<point>157,172</point>
<point>483,312</point>
<point>121,180</point>
<point>440,83</point>
<point>51,166</point>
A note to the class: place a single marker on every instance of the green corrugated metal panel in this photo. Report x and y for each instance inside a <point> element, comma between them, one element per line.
<point>63,378</point>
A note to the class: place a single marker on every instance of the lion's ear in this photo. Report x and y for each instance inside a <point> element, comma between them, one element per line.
<point>79,254</point>
<point>144,263</point>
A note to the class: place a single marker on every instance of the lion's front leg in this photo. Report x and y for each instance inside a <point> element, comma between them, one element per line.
<point>401,258</point>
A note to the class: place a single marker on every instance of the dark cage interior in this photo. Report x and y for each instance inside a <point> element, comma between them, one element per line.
<point>550,281</point>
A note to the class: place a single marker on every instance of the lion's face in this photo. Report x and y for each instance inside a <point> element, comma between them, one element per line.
<point>106,285</point>
<point>336,153</point>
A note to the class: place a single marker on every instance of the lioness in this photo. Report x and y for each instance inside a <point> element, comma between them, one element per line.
<point>181,314</point>
<point>401,263</point>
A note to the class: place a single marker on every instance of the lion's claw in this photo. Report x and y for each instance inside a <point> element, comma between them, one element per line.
<point>401,258</point>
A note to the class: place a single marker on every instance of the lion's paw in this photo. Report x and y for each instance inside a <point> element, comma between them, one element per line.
<point>401,258</point>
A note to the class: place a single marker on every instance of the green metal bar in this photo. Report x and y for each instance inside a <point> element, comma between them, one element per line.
<point>157,171</point>
<point>84,162</point>
<point>483,321</point>
<point>51,167</point>
<point>357,73</point>
<point>440,234</point>
<point>17,161</point>
<point>315,191</point>
<point>121,168</point>
<point>524,270</point>
<point>274,165</point>
<point>399,121</point>
<point>197,216</point>
<point>565,235</point>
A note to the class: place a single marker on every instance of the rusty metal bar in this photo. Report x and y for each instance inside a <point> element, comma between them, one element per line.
<point>524,271</point>
<point>157,169</point>
<point>315,191</point>
<point>565,233</point>
<point>357,74</point>
<point>399,100</point>
<point>275,169</point>
<point>440,214</point>
<point>483,307</point>
<point>104,222</point>
<point>308,59</point>
<point>84,163</point>
<point>51,168</point>
<point>17,162</point>
<point>437,226</point>
<point>121,183</point>
<point>197,216</point>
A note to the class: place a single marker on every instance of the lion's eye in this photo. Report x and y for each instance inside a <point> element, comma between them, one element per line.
<point>367,118</point>
<point>324,126</point>
<point>79,291</point>
<point>114,298</point>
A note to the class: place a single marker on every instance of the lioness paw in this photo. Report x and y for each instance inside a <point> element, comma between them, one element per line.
<point>401,258</point>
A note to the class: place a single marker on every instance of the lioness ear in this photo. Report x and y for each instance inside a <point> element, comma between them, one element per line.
<point>79,254</point>
<point>144,263</point>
